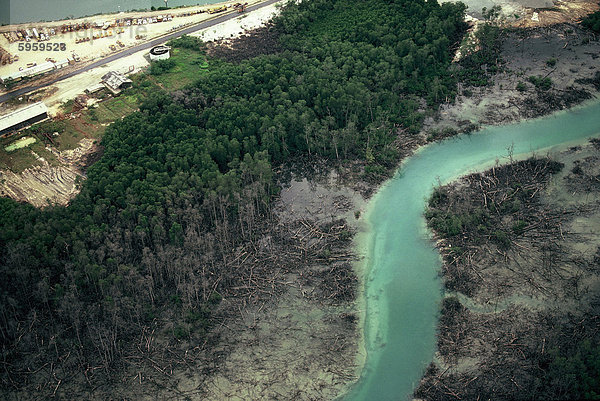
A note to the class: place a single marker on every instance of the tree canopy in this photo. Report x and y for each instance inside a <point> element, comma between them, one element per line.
<point>184,180</point>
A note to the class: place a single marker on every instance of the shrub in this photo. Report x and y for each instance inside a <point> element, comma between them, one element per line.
<point>501,238</point>
<point>161,66</point>
<point>540,83</point>
<point>180,332</point>
<point>519,227</point>
<point>187,42</point>
<point>592,21</point>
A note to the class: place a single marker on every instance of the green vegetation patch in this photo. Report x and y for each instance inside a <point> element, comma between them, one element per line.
<point>183,68</point>
<point>541,83</point>
<point>576,372</point>
<point>592,21</point>
<point>478,67</point>
<point>471,215</point>
<point>161,66</point>
<point>114,109</point>
<point>20,143</point>
<point>17,160</point>
<point>335,19</point>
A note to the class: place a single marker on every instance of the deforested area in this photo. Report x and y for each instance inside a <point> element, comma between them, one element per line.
<point>521,270</point>
<point>522,73</point>
<point>168,272</point>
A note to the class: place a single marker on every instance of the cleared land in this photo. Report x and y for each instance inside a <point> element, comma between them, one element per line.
<point>521,269</point>
<point>563,55</point>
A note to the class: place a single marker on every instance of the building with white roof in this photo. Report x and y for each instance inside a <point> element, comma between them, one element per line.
<point>23,117</point>
<point>28,72</point>
<point>115,81</point>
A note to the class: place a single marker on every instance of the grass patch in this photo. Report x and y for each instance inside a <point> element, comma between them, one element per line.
<point>39,148</point>
<point>21,143</point>
<point>187,66</point>
<point>113,109</point>
<point>69,138</point>
<point>18,160</point>
<point>541,83</point>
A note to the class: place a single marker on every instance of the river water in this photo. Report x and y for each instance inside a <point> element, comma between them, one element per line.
<point>402,287</point>
<point>18,11</point>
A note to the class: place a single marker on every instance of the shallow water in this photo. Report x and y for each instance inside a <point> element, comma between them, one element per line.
<point>402,287</point>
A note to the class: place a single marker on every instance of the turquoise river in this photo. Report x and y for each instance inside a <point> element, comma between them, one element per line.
<point>402,287</point>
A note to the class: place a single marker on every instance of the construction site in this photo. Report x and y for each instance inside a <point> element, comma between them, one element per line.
<point>32,50</point>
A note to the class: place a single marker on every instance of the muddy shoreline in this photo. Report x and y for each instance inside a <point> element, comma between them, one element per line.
<point>521,276</point>
<point>565,53</point>
<point>290,327</point>
<point>305,343</point>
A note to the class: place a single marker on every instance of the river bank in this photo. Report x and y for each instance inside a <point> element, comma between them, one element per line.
<point>305,342</point>
<point>564,53</point>
<point>522,279</point>
<point>402,289</point>
<point>481,335</point>
<point>252,367</point>
<point>291,328</point>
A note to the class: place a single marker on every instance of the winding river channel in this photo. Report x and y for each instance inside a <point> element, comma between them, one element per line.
<point>402,287</point>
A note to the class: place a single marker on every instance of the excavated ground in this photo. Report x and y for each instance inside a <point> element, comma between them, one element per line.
<point>45,184</point>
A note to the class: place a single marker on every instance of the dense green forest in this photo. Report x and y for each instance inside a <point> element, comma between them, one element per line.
<point>592,21</point>
<point>189,177</point>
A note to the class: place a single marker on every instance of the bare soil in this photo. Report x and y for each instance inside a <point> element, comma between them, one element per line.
<point>45,184</point>
<point>555,12</point>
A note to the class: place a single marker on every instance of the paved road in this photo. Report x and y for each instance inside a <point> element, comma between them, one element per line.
<point>135,49</point>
